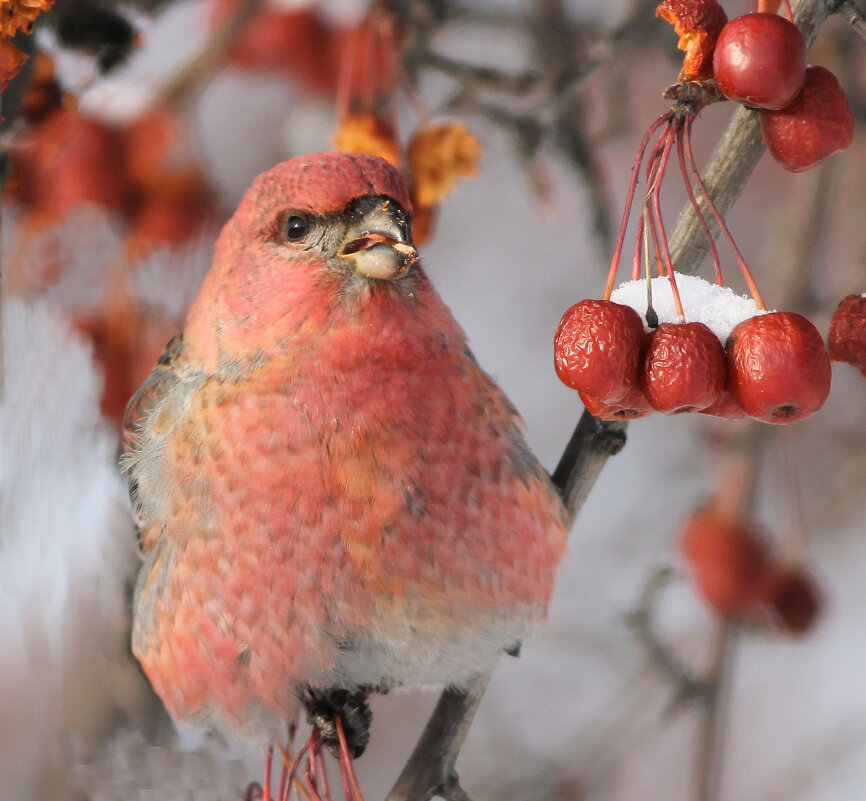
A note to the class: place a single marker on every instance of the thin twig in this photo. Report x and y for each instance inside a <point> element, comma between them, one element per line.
<point>176,93</point>
<point>686,685</point>
<point>430,770</point>
<point>708,754</point>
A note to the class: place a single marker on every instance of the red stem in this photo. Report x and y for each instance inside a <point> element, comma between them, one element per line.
<point>635,175</point>
<point>347,766</point>
<point>741,262</point>
<point>686,131</point>
<point>324,774</point>
<point>295,765</point>
<point>266,790</point>
<point>653,195</point>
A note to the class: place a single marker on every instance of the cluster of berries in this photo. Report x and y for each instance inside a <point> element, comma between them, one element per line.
<point>772,367</point>
<point>760,61</point>
<point>737,575</point>
<point>769,365</point>
<point>847,340</point>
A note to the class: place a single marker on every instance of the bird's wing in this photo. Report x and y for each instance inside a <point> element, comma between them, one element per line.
<point>150,416</point>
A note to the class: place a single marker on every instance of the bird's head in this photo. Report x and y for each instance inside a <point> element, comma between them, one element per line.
<point>314,235</point>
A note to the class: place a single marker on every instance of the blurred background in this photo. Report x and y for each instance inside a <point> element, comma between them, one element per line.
<point>128,138</point>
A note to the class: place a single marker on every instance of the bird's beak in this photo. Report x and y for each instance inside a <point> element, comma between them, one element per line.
<point>378,243</point>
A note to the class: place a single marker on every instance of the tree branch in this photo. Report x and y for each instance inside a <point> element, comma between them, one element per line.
<point>853,16</point>
<point>430,769</point>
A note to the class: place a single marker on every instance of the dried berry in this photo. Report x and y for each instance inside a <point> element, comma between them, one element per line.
<point>847,340</point>
<point>630,407</point>
<point>817,124</point>
<point>795,599</point>
<point>597,349</point>
<point>778,368</point>
<point>728,561</point>
<point>684,368</point>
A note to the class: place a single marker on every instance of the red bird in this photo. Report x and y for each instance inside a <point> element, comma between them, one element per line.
<point>333,498</point>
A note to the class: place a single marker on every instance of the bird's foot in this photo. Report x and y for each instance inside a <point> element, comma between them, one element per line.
<point>325,706</point>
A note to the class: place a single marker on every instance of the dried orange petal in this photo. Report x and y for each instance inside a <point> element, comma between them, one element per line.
<point>366,133</point>
<point>19,15</point>
<point>698,23</point>
<point>11,59</point>
<point>439,154</point>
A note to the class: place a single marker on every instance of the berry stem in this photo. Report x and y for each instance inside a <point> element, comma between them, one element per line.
<point>293,766</point>
<point>741,262</point>
<point>310,772</point>
<point>652,319</point>
<point>632,186</point>
<point>788,13</point>
<point>657,213</point>
<point>637,264</point>
<point>652,179</point>
<point>266,786</point>
<point>347,767</point>
<point>681,132</point>
<point>321,771</point>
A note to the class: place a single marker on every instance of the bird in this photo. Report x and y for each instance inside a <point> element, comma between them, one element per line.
<point>332,498</point>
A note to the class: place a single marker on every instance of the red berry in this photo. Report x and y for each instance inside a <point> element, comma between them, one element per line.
<point>729,563</point>
<point>684,367</point>
<point>795,599</point>
<point>778,368</point>
<point>726,406</point>
<point>630,407</point>
<point>760,60</point>
<point>597,349</point>
<point>847,340</point>
<point>816,125</point>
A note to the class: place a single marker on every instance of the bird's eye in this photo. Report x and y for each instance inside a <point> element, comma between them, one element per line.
<point>297,227</point>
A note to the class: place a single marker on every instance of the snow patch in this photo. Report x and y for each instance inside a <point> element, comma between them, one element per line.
<point>718,307</point>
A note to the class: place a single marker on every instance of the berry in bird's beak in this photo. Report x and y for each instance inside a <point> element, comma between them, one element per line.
<point>379,245</point>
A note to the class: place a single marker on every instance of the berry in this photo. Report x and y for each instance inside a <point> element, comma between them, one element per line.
<point>630,407</point>
<point>778,368</point>
<point>816,125</point>
<point>795,599</point>
<point>597,349</point>
<point>847,340</point>
<point>726,406</point>
<point>684,367</point>
<point>728,562</point>
<point>760,60</point>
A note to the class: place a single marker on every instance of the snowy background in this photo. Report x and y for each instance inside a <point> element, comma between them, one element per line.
<point>583,714</point>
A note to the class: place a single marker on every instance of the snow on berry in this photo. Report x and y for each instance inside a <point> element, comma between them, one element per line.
<point>717,307</point>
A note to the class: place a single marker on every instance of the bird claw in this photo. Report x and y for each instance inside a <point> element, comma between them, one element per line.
<point>325,706</point>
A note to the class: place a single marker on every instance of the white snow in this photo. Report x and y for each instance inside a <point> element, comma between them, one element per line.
<point>717,307</point>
